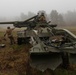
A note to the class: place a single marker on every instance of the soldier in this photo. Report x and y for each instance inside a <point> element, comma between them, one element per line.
<point>10,35</point>
<point>42,18</point>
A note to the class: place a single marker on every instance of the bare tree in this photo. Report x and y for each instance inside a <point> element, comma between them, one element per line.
<point>23,16</point>
<point>70,18</point>
<point>54,17</point>
<point>61,21</point>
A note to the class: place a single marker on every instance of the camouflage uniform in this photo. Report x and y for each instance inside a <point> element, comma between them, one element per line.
<point>42,18</point>
<point>9,35</point>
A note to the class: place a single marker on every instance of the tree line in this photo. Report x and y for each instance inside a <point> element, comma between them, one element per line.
<point>61,19</point>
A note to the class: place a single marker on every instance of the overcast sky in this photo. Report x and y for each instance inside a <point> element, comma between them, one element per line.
<point>15,7</point>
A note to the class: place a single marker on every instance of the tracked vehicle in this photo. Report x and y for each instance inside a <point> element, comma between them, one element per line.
<point>50,46</point>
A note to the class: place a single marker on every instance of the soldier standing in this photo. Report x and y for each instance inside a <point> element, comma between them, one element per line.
<point>42,18</point>
<point>10,35</point>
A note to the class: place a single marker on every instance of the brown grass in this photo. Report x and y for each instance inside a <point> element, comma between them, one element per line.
<point>14,59</point>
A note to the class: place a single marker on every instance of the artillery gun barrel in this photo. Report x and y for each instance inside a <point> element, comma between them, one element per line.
<point>7,22</point>
<point>30,19</point>
<point>19,22</point>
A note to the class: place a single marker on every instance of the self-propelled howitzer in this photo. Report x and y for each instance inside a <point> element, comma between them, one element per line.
<point>47,51</point>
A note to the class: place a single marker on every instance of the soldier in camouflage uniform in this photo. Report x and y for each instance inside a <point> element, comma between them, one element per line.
<point>10,35</point>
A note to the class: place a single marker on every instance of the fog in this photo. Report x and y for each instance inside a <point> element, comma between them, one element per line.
<point>15,7</point>
<point>65,10</point>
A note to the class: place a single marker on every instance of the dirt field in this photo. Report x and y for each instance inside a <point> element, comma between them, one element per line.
<point>14,60</point>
